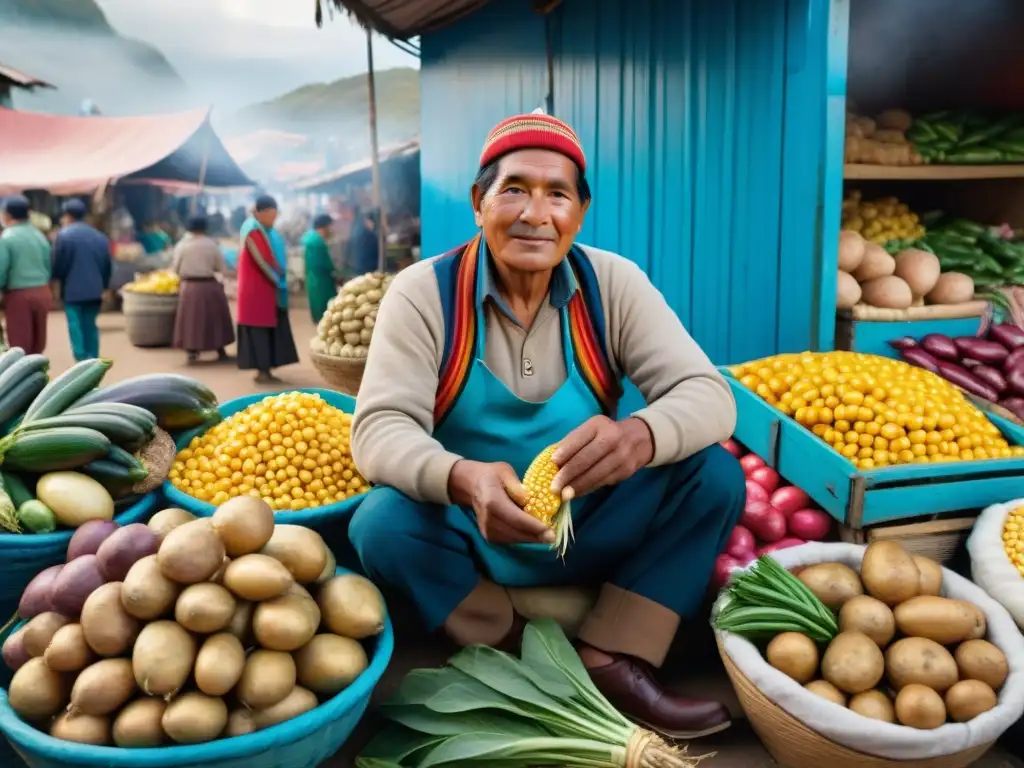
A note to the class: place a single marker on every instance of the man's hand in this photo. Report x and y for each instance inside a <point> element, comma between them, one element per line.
<point>497,497</point>
<point>601,452</point>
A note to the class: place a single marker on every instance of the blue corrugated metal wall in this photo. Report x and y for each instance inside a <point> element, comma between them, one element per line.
<point>704,124</point>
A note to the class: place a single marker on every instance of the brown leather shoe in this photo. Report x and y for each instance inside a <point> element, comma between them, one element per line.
<point>630,686</point>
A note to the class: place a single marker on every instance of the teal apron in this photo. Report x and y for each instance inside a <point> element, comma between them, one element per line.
<point>490,423</point>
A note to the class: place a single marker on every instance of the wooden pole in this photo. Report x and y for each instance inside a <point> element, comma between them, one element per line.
<point>375,153</point>
<point>202,176</point>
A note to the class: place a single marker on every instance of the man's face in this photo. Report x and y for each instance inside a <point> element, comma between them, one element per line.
<point>66,220</point>
<point>532,213</point>
<point>5,219</point>
<point>266,217</point>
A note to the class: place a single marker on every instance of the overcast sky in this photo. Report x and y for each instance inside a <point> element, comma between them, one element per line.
<point>235,52</point>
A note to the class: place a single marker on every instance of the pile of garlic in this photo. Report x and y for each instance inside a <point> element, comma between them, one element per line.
<point>346,328</point>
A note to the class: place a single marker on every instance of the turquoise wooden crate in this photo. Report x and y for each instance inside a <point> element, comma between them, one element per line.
<point>872,336</point>
<point>859,498</point>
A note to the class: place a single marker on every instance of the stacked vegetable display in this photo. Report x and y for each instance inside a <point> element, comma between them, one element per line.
<point>161,282</point>
<point>880,141</point>
<point>291,449</point>
<point>776,516</point>
<point>882,642</point>
<point>965,137</point>
<point>991,368</point>
<point>71,450</point>
<point>346,328</point>
<point>875,411</point>
<point>188,630</point>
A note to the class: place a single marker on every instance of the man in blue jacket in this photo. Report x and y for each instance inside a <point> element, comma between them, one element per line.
<point>83,265</point>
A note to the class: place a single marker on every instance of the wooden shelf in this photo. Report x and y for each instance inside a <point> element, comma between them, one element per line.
<point>932,172</point>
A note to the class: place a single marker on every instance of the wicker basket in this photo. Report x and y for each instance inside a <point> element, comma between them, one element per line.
<point>793,745</point>
<point>149,318</point>
<point>341,373</point>
<point>936,539</point>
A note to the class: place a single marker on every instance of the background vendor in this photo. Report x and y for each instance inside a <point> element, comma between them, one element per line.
<point>513,342</point>
<point>24,277</point>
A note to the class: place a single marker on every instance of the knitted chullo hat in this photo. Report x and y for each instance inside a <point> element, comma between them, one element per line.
<point>533,131</point>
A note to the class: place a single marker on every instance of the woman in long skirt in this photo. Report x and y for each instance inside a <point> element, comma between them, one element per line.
<point>264,332</point>
<point>203,323</point>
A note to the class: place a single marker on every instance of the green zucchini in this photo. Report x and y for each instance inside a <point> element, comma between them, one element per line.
<point>120,430</point>
<point>10,357</point>
<point>120,456</point>
<point>71,385</point>
<point>50,450</point>
<point>22,369</point>
<point>18,397</point>
<point>16,488</point>
<point>140,416</point>
<point>116,478</point>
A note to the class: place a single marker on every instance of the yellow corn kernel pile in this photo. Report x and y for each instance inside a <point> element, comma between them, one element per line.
<point>543,503</point>
<point>292,450</point>
<point>875,411</point>
<point>1013,538</point>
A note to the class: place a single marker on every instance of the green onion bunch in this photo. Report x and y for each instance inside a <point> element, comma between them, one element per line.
<point>487,709</point>
<point>767,600</point>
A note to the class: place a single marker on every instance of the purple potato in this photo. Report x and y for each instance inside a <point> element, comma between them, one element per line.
<point>940,346</point>
<point>88,537</point>
<point>967,381</point>
<point>79,579</point>
<point>124,548</point>
<point>981,350</point>
<point>38,595</point>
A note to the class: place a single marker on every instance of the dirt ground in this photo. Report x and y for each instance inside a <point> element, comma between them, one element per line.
<point>697,670</point>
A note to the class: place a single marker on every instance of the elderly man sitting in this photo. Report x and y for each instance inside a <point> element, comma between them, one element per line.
<point>515,341</point>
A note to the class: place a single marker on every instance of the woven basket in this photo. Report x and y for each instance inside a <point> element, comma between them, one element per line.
<point>793,745</point>
<point>341,373</point>
<point>149,318</point>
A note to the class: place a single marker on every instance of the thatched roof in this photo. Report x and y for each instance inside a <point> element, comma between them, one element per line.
<point>403,19</point>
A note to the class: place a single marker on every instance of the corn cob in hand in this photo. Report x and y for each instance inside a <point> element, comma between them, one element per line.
<point>544,504</point>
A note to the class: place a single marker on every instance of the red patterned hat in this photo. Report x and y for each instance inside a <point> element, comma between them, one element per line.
<point>533,131</point>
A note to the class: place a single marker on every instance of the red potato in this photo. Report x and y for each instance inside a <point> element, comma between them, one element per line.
<point>968,381</point>
<point>767,478</point>
<point>724,566</point>
<point>785,543</point>
<point>740,544</point>
<point>755,492</point>
<point>969,363</point>
<point>905,342</point>
<point>750,462</point>
<point>940,346</point>
<point>124,548</point>
<point>810,524</point>
<point>733,447</point>
<point>1009,335</point>
<point>981,350</point>
<point>1014,360</point>
<point>38,595</point>
<point>921,358</point>
<point>990,376</point>
<point>764,521</point>
<point>15,653</point>
<point>1014,405</point>
<point>79,579</point>
<point>88,537</point>
<point>789,499</point>
<point>1015,379</point>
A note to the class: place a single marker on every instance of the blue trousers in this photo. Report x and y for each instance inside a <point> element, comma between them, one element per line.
<point>656,535</point>
<point>85,336</point>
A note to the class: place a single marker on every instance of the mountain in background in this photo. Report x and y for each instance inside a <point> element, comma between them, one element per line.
<point>70,44</point>
<point>339,112</point>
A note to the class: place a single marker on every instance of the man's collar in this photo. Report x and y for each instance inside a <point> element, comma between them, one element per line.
<point>563,284</point>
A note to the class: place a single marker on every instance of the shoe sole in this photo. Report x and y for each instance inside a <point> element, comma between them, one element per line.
<point>683,735</point>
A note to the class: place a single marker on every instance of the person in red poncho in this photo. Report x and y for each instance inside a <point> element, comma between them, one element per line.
<point>264,332</point>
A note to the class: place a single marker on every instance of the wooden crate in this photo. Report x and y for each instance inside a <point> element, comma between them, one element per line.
<point>861,498</point>
<point>938,539</point>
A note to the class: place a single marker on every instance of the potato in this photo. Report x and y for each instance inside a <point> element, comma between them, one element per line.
<point>889,292</point>
<point>833,583</point>
<point>194,718</point>
<point>931,575</point>
<point>875,705</point>
<point>918,660</point>
<point>69,651</point>
<point>37,693</point>
<point>876,263</point>
<point>240,723</point>
<point>301,550</point>
<point>848,291</point>
<point>218,577</point>
<point>257,577</point>
<point>863,613</point>
<point>968,699</point>
<point>109,629</point>
<point>39,632</point>
<point>219,664</point>
<point>918,269</point>
<point>328,664</point>
<point>241,620</point>
<point>102,688</point>
<point>790,652</point>
<point>191,553</point>
<point>827,691</point>
<point>167,520</point>
<point>245,524</point>
<point>83,729</point>
<point>981,660</point>
<point>138,724</point>
<point>330,569</point>
<point>352,607</point>
<point>851,250</point>
<point>285,623</point>
<point>945,621</point>
<point>146,593</point>
<point>162,658</point>
<point>268,677</point>
<point>889,573</point>
<point>297,701</point>
<point>952,288</point>
<point>980,623</point>
<point>204,608</point>
<point>918,706</point>
<point>853,662</point>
